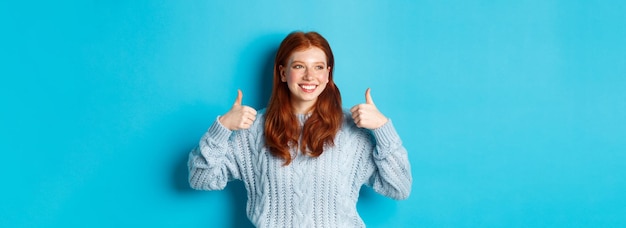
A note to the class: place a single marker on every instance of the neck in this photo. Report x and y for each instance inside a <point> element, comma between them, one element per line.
<point>302,107</point>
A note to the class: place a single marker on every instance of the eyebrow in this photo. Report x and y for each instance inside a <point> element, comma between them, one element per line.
<point>297,61</point>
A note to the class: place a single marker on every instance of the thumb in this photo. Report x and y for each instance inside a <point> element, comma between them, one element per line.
<point>368,97</point>
<point>239,97</point>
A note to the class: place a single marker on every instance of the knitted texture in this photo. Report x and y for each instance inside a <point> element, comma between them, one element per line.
<point>310,192</point>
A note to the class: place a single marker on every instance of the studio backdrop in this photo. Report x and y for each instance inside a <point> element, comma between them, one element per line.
<point>513,112</point>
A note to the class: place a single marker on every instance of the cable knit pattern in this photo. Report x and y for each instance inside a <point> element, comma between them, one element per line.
<point>310,192</point>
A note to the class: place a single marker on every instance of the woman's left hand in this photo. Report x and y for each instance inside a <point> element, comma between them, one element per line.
<point>366,115</point>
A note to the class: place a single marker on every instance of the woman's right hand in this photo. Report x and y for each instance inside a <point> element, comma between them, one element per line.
<point>239,116</point>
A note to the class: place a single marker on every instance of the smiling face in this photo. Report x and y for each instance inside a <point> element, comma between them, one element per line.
<point>306,75</point>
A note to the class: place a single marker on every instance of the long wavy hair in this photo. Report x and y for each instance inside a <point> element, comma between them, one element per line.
<point>282,127</point>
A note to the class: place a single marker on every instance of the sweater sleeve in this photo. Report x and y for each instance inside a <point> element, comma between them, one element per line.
<point>392,175</point>
<point>214,161</point>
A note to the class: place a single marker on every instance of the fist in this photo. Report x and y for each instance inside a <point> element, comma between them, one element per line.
<point>366,115</point>
<point>239,116</point>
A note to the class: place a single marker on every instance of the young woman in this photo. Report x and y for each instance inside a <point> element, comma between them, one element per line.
<point>303,159</point>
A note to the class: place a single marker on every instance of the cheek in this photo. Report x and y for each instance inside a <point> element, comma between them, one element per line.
<point>289,76</point>
<point>324,78</point>
<point>292,77</point>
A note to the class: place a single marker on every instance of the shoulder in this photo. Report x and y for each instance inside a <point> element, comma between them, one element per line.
<point>349,128</point>
<point>260,114</point>
<point>259,122</point>
<point>348,121</point>
<point>352,138</point>
<point>258,125</point>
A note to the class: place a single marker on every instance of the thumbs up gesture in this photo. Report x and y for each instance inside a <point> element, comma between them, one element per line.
<point>367,115</point>
<point>239,116</point>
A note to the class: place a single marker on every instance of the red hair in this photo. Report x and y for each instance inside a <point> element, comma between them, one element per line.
<point>282,129</point>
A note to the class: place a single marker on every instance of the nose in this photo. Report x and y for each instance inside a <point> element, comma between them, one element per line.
<point>306,75</point>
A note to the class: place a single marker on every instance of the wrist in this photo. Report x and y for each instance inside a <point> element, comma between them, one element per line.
<point>220,119</point>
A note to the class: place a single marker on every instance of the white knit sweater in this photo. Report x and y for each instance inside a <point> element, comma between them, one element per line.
<point>310,192</point>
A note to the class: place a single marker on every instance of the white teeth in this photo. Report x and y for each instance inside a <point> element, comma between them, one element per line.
<point>308,86</point>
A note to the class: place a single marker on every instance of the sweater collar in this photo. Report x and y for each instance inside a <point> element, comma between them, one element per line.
<point>303,117</point>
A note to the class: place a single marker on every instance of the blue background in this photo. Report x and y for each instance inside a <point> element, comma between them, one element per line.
<point>513,112</point>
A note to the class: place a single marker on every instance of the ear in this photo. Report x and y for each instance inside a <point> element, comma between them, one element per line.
<point>281,71</point>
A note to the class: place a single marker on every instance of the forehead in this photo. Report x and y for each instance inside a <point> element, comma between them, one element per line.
<point>312,54</point>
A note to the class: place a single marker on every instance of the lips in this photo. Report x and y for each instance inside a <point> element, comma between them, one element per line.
<point>308,88</point>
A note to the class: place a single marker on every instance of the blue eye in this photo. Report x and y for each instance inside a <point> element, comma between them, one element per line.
<point>298,67</point>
